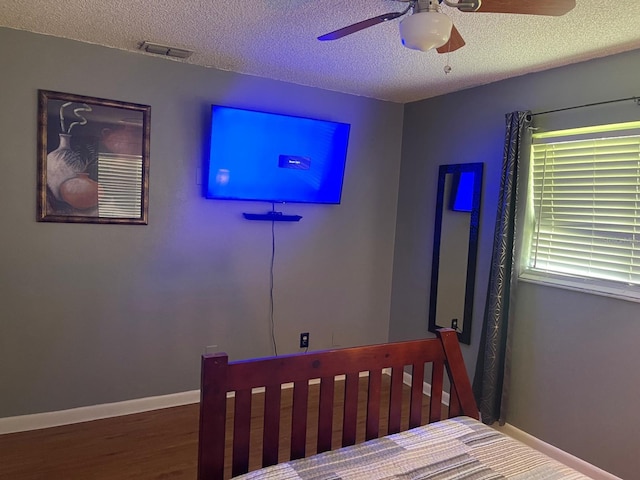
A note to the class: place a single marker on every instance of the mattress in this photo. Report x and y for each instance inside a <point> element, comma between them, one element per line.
<point>457,448</point>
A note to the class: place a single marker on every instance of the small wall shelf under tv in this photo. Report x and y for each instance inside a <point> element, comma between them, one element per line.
<point>272,217</point>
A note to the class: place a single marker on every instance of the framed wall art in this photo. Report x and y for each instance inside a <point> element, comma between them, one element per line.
<point>93,159</point>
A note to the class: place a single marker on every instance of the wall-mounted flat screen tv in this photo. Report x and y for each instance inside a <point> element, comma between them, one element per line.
<point>276,158</point>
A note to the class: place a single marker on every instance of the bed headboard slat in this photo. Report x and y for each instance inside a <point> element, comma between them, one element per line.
<point>325,415</point>
<point>241,431</point>
<point>299,419</point>
<point>350,416</point>
<point>435,402</point>
<point>415,407</point>
<point>220,377</point>
<point>395,399</point>
<point>372,429</point>
<point>271,435</point>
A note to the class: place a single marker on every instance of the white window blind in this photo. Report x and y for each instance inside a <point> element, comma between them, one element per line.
<point>586,203</point>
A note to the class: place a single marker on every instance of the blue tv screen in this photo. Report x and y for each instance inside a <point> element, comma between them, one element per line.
<point>276,158</point>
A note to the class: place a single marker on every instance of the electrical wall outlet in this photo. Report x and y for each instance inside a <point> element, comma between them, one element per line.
<point>304,340</point>
<point>454,324</point>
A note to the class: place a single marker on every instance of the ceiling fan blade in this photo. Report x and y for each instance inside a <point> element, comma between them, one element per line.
<point>528,7</point>
<point>356,27</point>
<point>455,42</point>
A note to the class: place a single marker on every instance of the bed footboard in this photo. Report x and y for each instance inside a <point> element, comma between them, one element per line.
<point>221,379</point>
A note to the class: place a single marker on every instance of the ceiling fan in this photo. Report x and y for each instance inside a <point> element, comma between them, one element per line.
<point>427,27</point>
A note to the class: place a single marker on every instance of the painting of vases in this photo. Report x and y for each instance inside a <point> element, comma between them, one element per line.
<point>67,170</point>
<point>93,159</point>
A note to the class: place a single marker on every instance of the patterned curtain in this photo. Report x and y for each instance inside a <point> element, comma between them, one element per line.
<point>491,380</point>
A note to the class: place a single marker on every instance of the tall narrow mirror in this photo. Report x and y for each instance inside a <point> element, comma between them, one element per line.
<point>455,247</point>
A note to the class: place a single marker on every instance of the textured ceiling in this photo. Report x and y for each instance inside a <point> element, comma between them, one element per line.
<point>277,39</point>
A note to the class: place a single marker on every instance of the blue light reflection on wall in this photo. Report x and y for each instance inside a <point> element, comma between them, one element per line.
<point>276,158</point>
<point>462,192</point>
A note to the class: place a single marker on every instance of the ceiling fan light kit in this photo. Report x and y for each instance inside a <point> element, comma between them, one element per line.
<point>425,30</point>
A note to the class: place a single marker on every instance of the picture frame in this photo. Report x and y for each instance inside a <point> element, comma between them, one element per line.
<point>93,160</point>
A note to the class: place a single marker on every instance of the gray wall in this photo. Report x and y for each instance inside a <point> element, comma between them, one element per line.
<point>576,363</point>
<point>91,314</point>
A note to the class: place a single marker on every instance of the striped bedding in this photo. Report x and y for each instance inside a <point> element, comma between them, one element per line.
<point>457,448</point>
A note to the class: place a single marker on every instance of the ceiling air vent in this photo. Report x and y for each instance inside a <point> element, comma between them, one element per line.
<point>165,50</point>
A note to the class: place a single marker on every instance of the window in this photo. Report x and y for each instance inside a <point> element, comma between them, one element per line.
<point>584,207</point>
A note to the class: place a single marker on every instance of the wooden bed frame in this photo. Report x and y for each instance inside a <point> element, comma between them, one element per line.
<point>219,376</point>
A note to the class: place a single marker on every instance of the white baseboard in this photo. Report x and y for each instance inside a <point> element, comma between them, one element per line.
<point>37,421</point>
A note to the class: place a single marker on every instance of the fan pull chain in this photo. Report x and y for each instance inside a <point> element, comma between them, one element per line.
<point>447,67</point>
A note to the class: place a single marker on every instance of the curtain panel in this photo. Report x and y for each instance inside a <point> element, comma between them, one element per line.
<point>491,379</point>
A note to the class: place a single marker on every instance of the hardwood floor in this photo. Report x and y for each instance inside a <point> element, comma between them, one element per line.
<point>161,444</point>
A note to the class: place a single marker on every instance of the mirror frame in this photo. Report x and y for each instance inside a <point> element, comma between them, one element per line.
<point>464,336</point>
